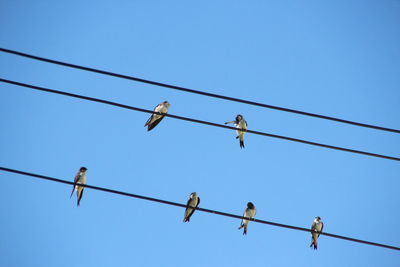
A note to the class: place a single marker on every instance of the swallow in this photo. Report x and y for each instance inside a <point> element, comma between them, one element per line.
<point>240,123</point>
<point>249,212</point>
<point>316,230</point>
<point>155,118</point>
<point>192,203</point>
<point>80,178</point>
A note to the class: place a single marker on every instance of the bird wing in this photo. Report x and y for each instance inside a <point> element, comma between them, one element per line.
<point>155,122</point>
<point>187,203</point>
<point>322,227</point>
<point>192,209</point>
<point>189,211</point>
<point>75,181</point>
<point>149,120</point>
<point>152,115</point>
<point>80,196</point>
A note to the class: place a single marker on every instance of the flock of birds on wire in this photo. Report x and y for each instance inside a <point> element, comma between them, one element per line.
<point>194,200</point>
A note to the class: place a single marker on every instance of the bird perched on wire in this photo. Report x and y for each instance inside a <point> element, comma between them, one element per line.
<point>155,118</point>
<point>249,212</point>
<point>192,203</point>
<point>240,123</point>
<point>316,230</point>
<point>80,178</point>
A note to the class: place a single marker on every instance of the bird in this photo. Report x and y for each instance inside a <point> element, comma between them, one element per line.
<point>80,178</point>
<point>193,202</point>
<point>240,123</point>
<point>316,230</point>
<point>155,118</point>
<point>249,212</point>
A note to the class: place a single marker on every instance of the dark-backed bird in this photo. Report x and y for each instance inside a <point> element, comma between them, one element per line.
<point>155,118</point>
<point>240,123</point>
<point>192,203</point>
<point>249,212</point>
<point>316,230</point>
<point>80,178</point>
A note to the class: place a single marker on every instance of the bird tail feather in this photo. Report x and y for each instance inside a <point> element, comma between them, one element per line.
<point>80,197</point>
<point>313,243</point>
<point>73,189</point>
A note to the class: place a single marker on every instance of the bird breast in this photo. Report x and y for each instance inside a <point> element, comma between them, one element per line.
<point>318,226</point>
<point>162,109</point>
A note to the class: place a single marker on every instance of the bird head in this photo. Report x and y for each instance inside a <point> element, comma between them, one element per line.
<point>250,205</point>
<point>166,104</point>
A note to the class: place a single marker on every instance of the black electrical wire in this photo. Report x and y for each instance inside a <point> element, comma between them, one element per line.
<point>195,120</point>
<point>196,91</point>
<point>197,208</point>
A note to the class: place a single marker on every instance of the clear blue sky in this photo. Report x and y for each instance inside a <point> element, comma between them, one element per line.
<point>337,58</point>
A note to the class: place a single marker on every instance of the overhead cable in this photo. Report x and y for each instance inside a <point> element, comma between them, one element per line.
<point>197,208</point>
<point>196,120</point>
<point>132,78</point>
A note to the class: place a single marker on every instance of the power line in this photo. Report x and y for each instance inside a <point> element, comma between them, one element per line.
<point>197,208</point>
<point>179,88</point>
<point>195,120</point>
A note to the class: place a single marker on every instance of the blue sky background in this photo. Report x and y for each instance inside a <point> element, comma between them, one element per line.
<point>337,58</point>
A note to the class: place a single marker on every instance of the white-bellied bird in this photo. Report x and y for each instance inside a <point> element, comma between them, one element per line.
<point>316,230</point>
<point>192,203</point>
<point>80,178</point>
<point>155,118</point>
<point>240,123</point>
<point>249,212</point>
